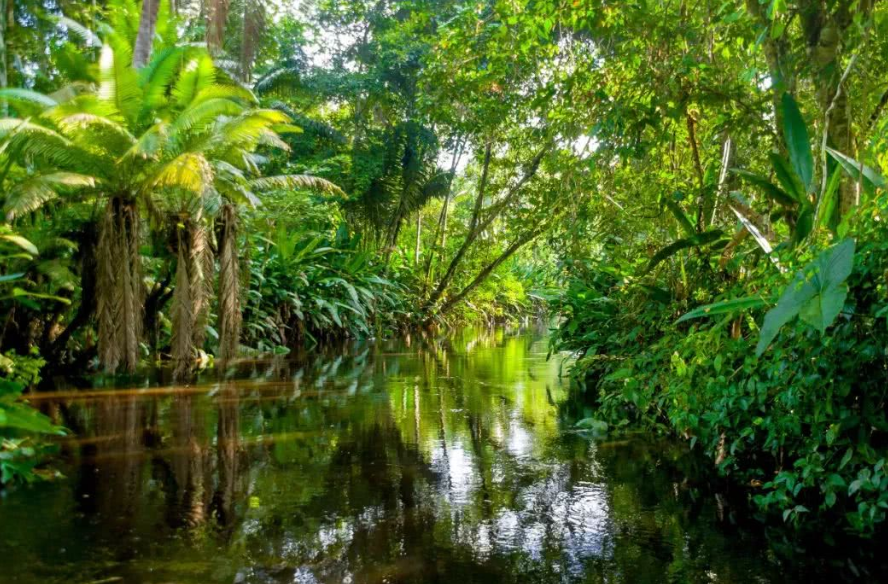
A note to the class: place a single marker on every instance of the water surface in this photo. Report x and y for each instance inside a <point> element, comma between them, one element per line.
<point>437,460</point>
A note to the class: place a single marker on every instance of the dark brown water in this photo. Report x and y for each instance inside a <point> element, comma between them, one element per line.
<point>440,460</point>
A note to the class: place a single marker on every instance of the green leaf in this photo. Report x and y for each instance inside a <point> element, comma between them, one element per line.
<point>779,195</point>
<point>680,216</point>
<point>847,458</point>
<point>817,293</point>
<point>798,142</point>
<point>724,307</point>
<point>829,284</point>
<point>27,98</point>
<point>23,417</point>
<point>804,224</point>
<point>677,246</point>
<point>828,200</point>
<point>871,178</point>
<point>11,277</point>
<point>22,243</point>
<point>788,177</point>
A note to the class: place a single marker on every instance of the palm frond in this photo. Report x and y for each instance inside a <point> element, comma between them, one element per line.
<point>34,192</point>
<point>118,83</point>
<point>25,100</point>
<point>88,36</point>
<point>189,171</point>
<point>297,181</point>
<point>149,144</point>
<point>198,74</point>
<point>156,78</point>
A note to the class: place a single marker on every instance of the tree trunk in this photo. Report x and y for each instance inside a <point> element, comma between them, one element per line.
<point>4,78</point>
<point>473,232</point>
<point>253,23</point>
<point>477,226</point>
<point>418,237</point>
<point>782,79</point>
<point>441,226</point>
<point>119,288</point>
<point>145,37</point>
<point>229,288</point>
<point>217,16</point>
<point>485,273</point>
<point>182,317</point>
<point>825,29</point>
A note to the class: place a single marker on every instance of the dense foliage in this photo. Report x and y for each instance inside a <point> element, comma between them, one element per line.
<point>697,189</point>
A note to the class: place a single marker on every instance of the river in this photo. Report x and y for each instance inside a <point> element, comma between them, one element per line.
<point>416,460</point>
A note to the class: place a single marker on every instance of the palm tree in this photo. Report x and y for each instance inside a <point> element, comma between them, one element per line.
<point>172,140</point>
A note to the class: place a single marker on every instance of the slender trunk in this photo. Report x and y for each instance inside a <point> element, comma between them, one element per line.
<point>441,226</point>
<point>825,32</point>
<point>87,251</point>
<point>418,238</point>
<point>698,167</point>
<point>4,27</point>
<point>471,235</point>
<point>145,36</point>
<point>253,23</point>
<point>477,226</point>
<point>485,273</point>
<point>776,50</point>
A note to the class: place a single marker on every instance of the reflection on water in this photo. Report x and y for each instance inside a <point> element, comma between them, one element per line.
<point>440,460</point>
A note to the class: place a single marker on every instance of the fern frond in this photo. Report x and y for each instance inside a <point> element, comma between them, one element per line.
<point>277,81</point>
<point>232,92</point>
<point>149,144</point>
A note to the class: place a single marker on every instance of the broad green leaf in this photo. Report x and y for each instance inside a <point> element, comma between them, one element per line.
<point>804,224</point>
<point>828,200</point>
<point>787,176</point>
<point>817,293</point>
<point>27,98</point>
<point>724,307</point>
<point>832,269</point>
<point>798,142</point>
<point>871,178</point>
<point>11,277</point>
<point>23,417</point>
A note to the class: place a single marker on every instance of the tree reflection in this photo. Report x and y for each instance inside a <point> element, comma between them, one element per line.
<point>448,461</point>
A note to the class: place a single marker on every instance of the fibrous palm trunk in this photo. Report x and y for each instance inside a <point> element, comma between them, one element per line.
<point>191,296</point>
<point>119,286</point>
<point>229,288</point>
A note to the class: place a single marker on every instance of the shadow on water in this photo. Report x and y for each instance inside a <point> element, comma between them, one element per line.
<point>418,460</point>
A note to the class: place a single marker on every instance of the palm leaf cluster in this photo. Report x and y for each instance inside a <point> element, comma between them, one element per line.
<point>175,141</point>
